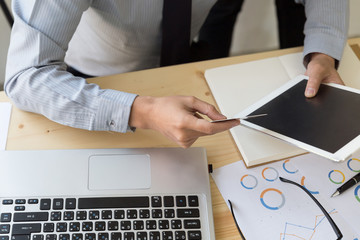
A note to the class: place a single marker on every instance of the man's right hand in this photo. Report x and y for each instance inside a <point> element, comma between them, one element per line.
<point>177,118</point>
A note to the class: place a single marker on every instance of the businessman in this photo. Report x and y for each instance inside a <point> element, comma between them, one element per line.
<point>55,43</point>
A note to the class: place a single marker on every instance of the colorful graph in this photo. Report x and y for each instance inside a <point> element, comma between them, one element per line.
<point>272,207</point>
<point>303,232</point>
<point>245,185</point>
<point>286,169</point>
<point>332,178</point>
<point>270,169</point>
<point>349,165</point>
<point>303,184</point>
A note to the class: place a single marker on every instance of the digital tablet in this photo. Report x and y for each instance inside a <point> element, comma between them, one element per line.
<point>328,124</point>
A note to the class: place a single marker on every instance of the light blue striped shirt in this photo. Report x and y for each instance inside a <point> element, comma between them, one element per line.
<point>102,37</point>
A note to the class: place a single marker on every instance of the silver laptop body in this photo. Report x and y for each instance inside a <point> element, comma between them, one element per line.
<point>105,194</point>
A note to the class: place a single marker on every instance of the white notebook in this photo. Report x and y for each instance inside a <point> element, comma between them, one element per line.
<point>238,86</point>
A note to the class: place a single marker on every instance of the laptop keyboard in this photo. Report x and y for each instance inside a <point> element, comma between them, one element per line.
<point>101,218</point>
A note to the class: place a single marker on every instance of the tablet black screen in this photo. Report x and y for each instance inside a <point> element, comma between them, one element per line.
<point>328,121</point>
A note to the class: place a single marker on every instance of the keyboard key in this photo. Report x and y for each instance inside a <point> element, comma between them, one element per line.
<point>129,236</point>
<point>141,236</point>
<point>81,215</point>
<point>100,226</point>
<point>194,235</point>
<point>48,227</point>
<point>131,214</point>
<point>19,208</point>
<point>167,235</point>
<point>25,229</point>
<point>94,215</point>
<point>38,237</point>
<point>103,236</point>
<point>51,237</point>
<point>169,201</point>
<point>113,225</point>
<point>4,228</point>
<point>114,202</point>
<point>5,217</point>
<point>70,203</point>
<point>144,213</point>
<point>119,214</point>
<point>115,236</point>
<point>150,224</point>
<point>68,215</point>
<point>169,213</point>
<point>61,227</point>
<point>7,201</point>
<point>125,225</point>
<point>156,213</point>
<point>180,201</point>
<point>20,201</point>
<point>55,216</point>
<point>138,225</point>
<point>77,236</point>
<point>106,214</point>
<point>180,235</point>
<point>154,236</point>
<point>74,227</point>
<point>176,224</point>
<point>156,201</point>
<point>20,237</point>
<point>4,237</point>
<point>193,201</point>
<point>45,204</point>
<point>33,201</point>
<point>90,236</point>
<point>192,224</point>
<point>163,224</point>
<point>87,226</point>
<point>31,217</point>
<point>58,204</point>
<point>64,237</point>
<point>188,213</point>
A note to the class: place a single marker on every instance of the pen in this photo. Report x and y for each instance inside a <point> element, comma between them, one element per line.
<point>351,182</point>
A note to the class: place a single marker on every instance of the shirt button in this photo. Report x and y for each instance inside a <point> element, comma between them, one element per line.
<point>112,123</point>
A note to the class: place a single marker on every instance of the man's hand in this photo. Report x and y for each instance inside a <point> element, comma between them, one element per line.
<point>177,118</point>
<point>321,69</point>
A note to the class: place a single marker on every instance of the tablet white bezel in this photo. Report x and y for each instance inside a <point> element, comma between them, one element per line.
<point>342,154</point>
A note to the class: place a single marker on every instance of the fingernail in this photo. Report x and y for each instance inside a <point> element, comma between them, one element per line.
<point>310,92</point>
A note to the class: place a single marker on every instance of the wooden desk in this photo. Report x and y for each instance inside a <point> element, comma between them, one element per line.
<point>32,131</point>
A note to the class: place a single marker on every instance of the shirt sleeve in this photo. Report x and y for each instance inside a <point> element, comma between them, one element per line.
<point>36,76</point>
<point>326,27</point>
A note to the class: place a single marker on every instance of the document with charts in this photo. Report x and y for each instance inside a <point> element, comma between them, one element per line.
<point>238,86</point>
<point>265,206</point>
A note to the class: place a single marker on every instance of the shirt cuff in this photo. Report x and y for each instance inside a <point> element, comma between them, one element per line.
<point>323,43</point>
<point>114,111</point>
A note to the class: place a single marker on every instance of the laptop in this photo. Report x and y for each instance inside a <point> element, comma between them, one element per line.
<point>105,194</point>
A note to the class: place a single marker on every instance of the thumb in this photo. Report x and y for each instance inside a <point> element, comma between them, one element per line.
<point>313,85</point>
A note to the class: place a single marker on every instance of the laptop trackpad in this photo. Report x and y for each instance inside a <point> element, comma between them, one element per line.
<point>119,172</point>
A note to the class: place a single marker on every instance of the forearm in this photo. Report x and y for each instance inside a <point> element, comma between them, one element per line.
<point>326,27</point>
<point>36,77</point>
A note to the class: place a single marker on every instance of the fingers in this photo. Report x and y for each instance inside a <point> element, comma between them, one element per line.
<point>206,109</point>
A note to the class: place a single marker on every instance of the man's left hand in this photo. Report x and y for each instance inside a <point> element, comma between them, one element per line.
<point>321,69</point>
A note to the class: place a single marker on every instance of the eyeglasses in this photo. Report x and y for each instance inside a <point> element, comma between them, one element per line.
<point>326,214</point>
